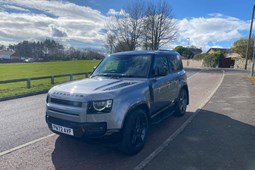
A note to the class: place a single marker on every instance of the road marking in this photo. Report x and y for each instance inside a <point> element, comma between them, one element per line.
<point>148,159</point>
<point>26,144</point>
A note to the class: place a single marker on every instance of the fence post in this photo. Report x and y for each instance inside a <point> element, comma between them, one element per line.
<point>71,77</point>
<point>28,83</point>
<point>86,75</point>
<point>52,80</point>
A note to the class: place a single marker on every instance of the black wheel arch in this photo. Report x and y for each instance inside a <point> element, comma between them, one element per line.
<point>184,85</point>
<point>140,105</point>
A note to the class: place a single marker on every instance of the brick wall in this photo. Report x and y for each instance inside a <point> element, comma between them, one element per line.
<point>239,64</point>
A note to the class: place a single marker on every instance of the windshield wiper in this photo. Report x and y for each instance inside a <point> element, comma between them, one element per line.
<point>108,75</point>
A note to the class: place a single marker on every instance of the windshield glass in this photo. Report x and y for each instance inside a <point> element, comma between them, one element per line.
<point>124,66</point>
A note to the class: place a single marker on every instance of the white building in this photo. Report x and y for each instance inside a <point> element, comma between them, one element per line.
<point>9,55</point>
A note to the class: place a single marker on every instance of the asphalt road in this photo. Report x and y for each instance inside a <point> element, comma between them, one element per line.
<point>64,153</point>
<point>22,120</point>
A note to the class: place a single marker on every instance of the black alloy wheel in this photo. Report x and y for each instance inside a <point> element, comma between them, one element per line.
<point>181,104</point>
<point>134,132</point>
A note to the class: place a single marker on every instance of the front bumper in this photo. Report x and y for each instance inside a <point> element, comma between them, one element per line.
<point>89,130</point>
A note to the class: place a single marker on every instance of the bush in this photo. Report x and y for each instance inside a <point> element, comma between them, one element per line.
<point>213,60</point>
<point>200,56</point>
<point>210,60</point>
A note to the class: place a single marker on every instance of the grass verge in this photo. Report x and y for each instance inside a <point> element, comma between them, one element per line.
<point>29,70</point>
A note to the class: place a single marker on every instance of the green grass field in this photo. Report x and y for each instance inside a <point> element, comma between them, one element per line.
<point>30,70</point>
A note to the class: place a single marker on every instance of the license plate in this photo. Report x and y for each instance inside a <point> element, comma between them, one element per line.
<point>62,129</point>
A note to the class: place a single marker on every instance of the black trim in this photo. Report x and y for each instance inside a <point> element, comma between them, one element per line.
<point>90,130</point>
<point>65,102</point>
<point>61,111</point>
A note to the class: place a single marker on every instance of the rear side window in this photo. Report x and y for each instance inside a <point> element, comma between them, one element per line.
<point>160,62</point>
<point>175,63</point>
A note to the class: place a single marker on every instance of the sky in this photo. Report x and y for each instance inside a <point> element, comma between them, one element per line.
<point>82,23</point>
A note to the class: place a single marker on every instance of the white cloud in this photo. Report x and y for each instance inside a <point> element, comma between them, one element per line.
<point>215,15</point>
<point>204,31</point>
<point>50,19</point>
<point>12,7</point>
<point>113,12</point>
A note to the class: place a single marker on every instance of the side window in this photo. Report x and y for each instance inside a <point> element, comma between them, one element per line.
<point>181,65</point>
<point>160,66</point>
<point>175,63</point>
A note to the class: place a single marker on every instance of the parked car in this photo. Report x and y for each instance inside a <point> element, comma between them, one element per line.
<point>125,91</point>
<point>29,60</point>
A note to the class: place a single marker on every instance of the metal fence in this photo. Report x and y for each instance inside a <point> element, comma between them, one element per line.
<point>51,78</point>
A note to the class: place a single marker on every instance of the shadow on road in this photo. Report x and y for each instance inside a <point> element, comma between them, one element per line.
<point>212,140</point>
<point>71,153</point>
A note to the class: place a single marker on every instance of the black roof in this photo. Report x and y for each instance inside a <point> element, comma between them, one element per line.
<point>145,52</point>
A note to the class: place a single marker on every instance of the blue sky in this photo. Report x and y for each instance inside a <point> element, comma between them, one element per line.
<point>81,23</point>
<point>184,8</point>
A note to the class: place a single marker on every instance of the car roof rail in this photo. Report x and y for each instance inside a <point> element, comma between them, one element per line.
<point>166,50</point>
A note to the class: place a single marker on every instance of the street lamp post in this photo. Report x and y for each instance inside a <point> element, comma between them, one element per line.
<point>248,46</point>
<point>253,58</point>
<point>188,41</point>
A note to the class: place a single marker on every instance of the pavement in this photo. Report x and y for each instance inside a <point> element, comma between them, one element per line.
<point>221,136</point>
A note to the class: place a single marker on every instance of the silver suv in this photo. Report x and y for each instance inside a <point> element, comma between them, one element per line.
<point>123,94</point>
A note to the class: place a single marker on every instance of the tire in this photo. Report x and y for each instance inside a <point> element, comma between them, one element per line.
<point>181,103</point>
<point>134,132</point>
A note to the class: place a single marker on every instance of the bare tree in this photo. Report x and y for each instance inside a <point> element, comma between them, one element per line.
<point>127,27</point>
<point>121,46</point>
<point>159,26</point>
<point>110,42</point>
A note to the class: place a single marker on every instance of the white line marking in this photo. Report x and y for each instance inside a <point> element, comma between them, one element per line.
<point>26,144</point>
<point>178,131</point>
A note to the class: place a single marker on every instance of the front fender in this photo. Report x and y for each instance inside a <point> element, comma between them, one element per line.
<point>128,100</point>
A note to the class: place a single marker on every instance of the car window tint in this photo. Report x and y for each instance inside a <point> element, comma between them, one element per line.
<point>175,63</point>
<point>160,62</point>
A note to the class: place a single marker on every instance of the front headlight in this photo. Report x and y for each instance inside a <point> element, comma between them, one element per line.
<point>102,106</point>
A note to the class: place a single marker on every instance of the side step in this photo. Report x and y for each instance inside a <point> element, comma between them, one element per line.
<point>162,116</point>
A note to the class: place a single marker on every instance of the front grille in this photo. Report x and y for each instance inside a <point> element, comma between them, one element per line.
<point>64,112</point>
<point>66,102</point>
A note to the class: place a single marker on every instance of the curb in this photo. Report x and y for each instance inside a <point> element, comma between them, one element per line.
<point>23,95</point>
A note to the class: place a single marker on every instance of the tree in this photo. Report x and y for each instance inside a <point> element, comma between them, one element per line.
<point>2,47</point>
<point>121,46</point>
<point>110,42</point>
<point>127,27</point>
<point>184,51</point>
<point>159,26</point>
<point>240,47</point>
<point>148,25</point>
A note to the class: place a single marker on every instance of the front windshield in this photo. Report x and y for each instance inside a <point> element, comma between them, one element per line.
<point>124,66</point>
